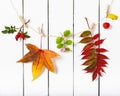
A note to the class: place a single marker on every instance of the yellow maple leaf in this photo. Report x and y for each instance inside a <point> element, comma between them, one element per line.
<point>41,58</point>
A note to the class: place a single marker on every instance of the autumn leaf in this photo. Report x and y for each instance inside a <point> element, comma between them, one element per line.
<point>101,50</point>
<point>88,46</point>
<point>86,40</point>
<point>89,51</point>
<point>96,36</point>
<point>99,42</point>
<point>85,33</point>
<point>101,56</point>
<point>89,56</point>
<point>41,58</point>
<point>90,61</point>
<point>94,76</point>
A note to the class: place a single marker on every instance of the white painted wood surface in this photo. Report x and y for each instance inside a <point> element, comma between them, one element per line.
<point>60,18</point>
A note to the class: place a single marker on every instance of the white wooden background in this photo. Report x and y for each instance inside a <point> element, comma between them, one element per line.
<point>57,16</point>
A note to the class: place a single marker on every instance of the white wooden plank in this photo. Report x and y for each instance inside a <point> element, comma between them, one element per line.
<point>10,49</point>
<point>83,81</point>
<point>36,11</point>
<point>110,81</point>
<point>61,83</point>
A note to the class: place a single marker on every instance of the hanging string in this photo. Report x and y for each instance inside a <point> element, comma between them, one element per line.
<point>14,7</point>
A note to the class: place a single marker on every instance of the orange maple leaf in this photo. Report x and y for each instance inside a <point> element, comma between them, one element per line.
<point>40,57</point>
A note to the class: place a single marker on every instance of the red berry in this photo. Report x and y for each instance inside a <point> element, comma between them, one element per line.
<point>106,25</point>
<point>22,36</point>
<point>17,36</point>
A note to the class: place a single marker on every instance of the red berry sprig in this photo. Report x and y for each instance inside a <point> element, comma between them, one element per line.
<point>20,34</point>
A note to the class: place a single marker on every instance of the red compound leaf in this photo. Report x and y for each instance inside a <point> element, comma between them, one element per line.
<point>93,55</point>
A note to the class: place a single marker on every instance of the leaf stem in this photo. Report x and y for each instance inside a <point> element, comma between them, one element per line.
<point>87,22</point>
<point>63,40</point>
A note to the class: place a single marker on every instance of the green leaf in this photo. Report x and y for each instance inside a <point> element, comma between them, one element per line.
<point>85,33</point>
<point>59,40</point>
<point>59,46</point>
<point>68,42</point>
<point>67,33</point>
<point>9,30</point>
<point>27,36</point>
<point>4,32</point>
<point>86,40</point>
<point>67,49</point>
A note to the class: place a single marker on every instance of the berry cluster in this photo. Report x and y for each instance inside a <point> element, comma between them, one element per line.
<point>21,35</point>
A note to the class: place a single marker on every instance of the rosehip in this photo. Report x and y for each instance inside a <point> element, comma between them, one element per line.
<point>22,36</point>
<point>17,36</point>
<point>106,25</point>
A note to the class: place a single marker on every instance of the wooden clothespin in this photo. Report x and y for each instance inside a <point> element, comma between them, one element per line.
<point>23,21</point>
<point>108,8</point>
<point>41,32</point>
<point>92,26</point>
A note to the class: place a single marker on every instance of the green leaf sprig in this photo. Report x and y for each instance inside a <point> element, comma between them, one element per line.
<point>9,30</point>
<point>63,41</point>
